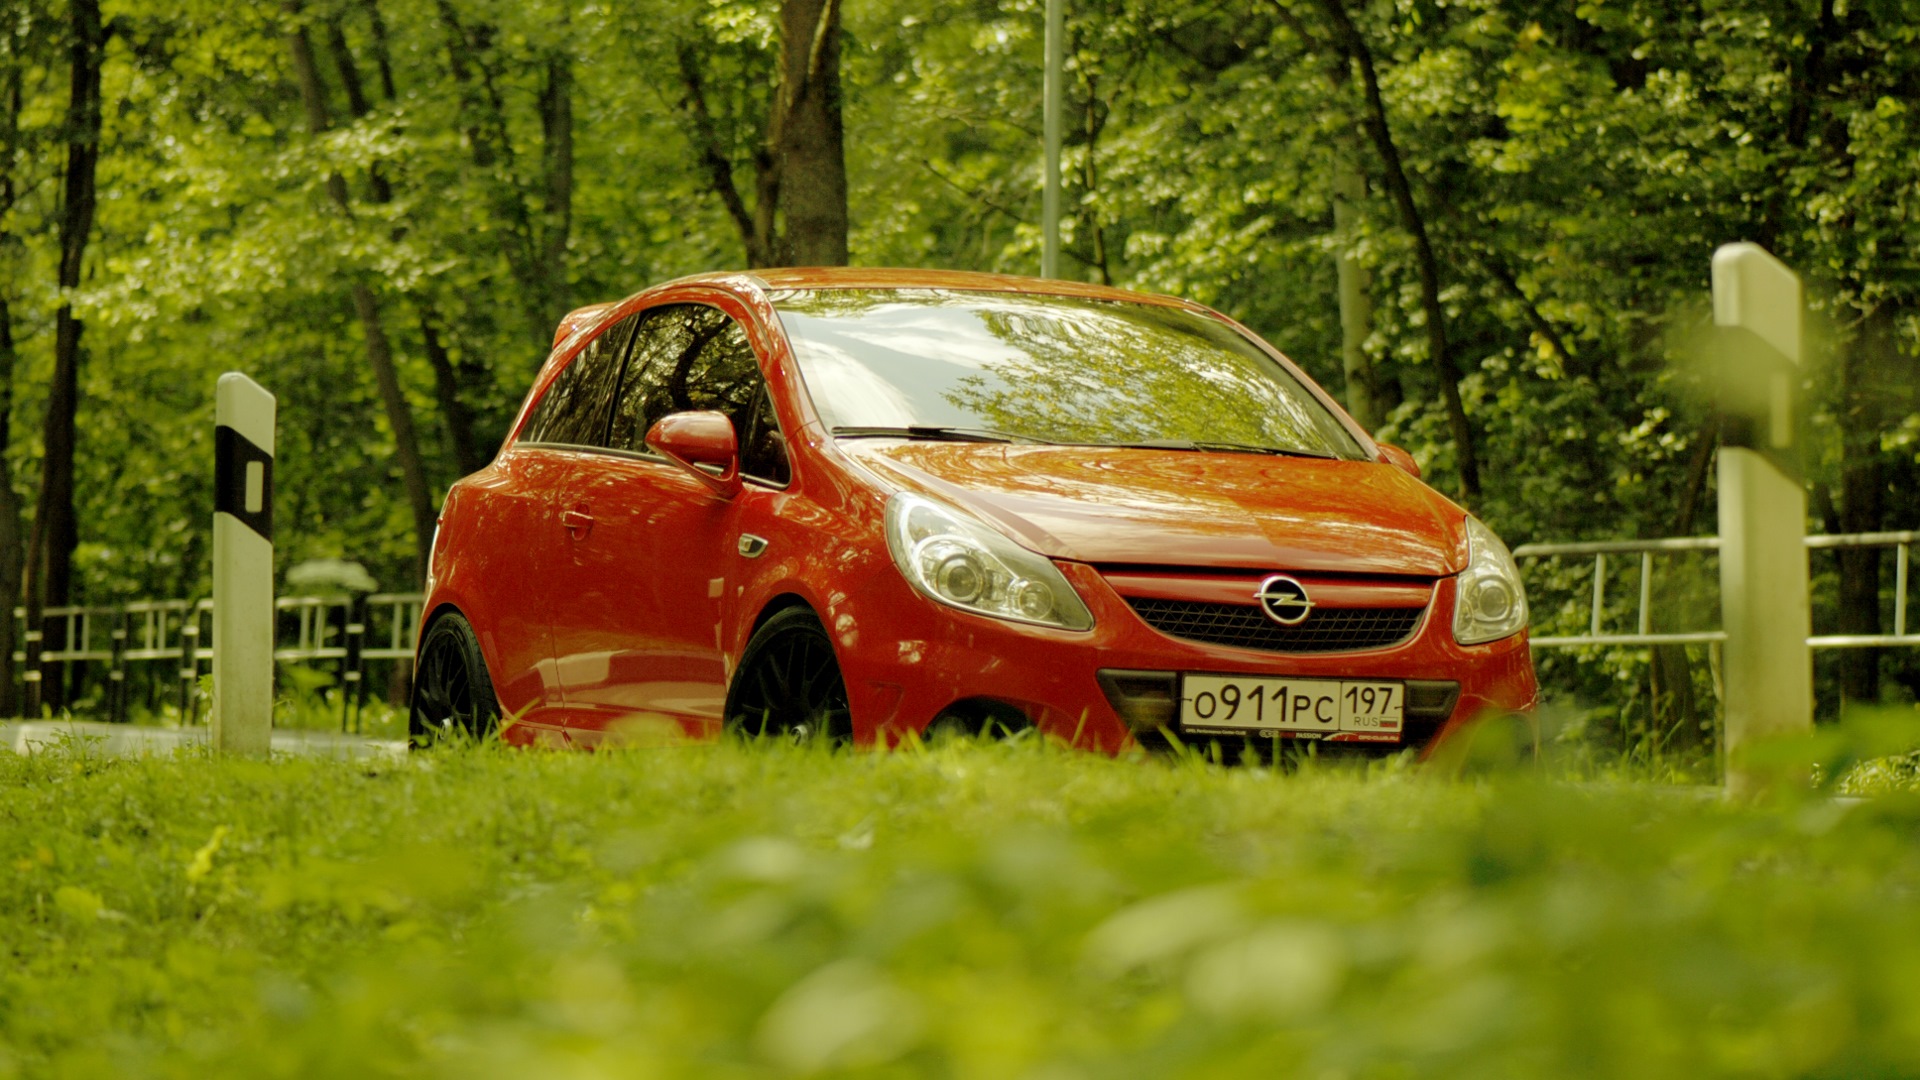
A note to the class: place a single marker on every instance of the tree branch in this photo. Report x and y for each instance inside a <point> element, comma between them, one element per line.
<point>1503,277</point>
<point>817,47</point>
<point>1401,193</point>
<point>971,194</point>
<point>713,155</point>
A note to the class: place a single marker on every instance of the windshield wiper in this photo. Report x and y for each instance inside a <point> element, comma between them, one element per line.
<point>990,435</point>
<point>930,431</point>
<point>1224,447</point>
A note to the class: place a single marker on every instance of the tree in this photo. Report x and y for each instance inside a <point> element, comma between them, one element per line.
<point>15,158</point>
<point>799,213</point>
<point>55,530</point>
<point>478,168</point>
<point>367,306</point>
<point>1439,352</point>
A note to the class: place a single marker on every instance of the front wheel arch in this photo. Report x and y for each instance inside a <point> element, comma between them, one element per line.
<point>789,679</point>
<point>452,685</point>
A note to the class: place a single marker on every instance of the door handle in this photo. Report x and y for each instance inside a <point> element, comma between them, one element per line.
<point>577,522</point>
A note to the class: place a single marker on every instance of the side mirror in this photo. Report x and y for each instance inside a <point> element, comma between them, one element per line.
<point>702,443</point>
<point>1399,459</point>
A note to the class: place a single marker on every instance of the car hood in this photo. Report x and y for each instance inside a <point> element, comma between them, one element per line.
<point>1185,508</point>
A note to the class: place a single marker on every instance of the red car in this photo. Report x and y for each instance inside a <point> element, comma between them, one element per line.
<point>859,503</point>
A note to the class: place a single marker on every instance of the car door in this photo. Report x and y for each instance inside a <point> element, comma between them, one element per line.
<point>637,619</point>
<point>527,513</point>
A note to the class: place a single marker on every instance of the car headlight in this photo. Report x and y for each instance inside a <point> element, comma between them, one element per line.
<point>959,560</point>
<point>1490,603</point>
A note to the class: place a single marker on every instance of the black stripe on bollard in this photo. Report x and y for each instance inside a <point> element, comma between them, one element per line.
<point>243,480</point>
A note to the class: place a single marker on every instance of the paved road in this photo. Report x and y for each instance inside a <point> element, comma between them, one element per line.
<point>126,740</point>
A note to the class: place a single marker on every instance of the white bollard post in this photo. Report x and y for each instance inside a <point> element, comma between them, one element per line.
<point>1763,507</point>
<point>242,567</point>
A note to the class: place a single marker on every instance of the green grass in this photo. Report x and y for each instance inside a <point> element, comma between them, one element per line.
<point>960,911</point>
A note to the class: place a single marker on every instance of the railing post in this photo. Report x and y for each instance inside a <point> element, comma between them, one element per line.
<point>117,670</point>
<point>1900,592</point>
<point>1599,590</point>
<point>30,671</point>
<point>353,666</point>
<point>189,663</point>
<point>1646,592</point>
<point>1763,506</point>
<point>79,640</point>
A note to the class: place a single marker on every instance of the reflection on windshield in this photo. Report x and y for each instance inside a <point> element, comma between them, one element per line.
<point>1049,368</point>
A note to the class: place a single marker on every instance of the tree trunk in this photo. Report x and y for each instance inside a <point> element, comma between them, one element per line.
<point>457,418</point>
<point>357,104</point>
<point>1372,391</point>
<point>1806,78</point>
<point>55,531</point>
<point>755,228</point>
<point>808,136</point>
<point>10,553</point>
<point>490,143</point>
<point>556,126</point>
<point>1096,121</point>
<point>406,445</point>
<point>382,52</point>
<point>1676,710</point>
<point>467,455</point>
<point>12,556</point>
<point>400,417</point>
<point>1865,374</point>
<point>799,167</point>
<point>1401,193</point>
<point>1356,296</point>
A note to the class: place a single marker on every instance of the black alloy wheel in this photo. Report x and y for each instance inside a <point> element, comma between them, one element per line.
<point>789,683</point>
<point>453,698</point>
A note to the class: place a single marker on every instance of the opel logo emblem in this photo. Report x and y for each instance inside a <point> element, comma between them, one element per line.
<point>1284,600</point>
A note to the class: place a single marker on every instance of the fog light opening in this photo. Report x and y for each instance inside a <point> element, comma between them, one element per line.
<point>979,717</point>
<point>1144,700</point>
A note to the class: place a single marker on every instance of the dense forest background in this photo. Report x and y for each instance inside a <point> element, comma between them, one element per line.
<point>1485,224</point>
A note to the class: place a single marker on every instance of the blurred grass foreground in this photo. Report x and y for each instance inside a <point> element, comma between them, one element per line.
<point>962,910</point>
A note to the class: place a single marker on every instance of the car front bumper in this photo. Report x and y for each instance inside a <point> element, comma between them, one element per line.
<point>908,660</point>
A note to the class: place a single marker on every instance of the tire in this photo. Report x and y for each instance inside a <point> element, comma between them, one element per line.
<point>452,696</point>
<point>789,683</point>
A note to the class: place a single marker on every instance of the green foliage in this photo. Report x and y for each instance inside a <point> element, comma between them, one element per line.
<point>963,909</point>
<point>1575,167</point>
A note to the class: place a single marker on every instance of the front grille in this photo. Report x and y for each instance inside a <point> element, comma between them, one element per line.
<point>1246,626</point>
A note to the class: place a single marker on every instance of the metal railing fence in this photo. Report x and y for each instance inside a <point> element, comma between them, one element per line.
<point>1604,551</point>
<point>342,630</point>
<point>348,632</point>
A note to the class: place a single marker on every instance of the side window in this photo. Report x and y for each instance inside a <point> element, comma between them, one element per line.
<point>688,356</point>
<point>763,450</point>
<point>574,410</point>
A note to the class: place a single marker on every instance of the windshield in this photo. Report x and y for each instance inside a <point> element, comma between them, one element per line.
<point>932,363</point>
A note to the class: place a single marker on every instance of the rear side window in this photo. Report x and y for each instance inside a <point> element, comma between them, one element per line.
<point>689,356</point>
<point>574,410</point>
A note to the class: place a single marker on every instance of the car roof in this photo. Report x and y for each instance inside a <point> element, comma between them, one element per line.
<point>863,277</point>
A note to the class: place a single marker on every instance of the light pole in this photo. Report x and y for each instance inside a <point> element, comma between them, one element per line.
<point>1050,198</point>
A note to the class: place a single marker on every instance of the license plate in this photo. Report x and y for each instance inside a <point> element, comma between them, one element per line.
<point>1337,710</point>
